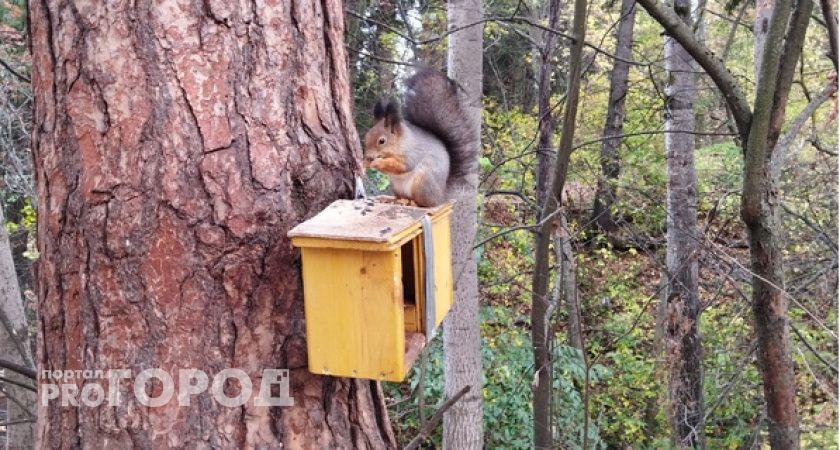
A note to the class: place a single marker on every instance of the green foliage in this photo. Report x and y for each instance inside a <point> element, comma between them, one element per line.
<point>25,227</point>
<point>718,166</point>
<point>508,365</point>
<point>13,14</point>
<point>507,360</point>
<point>27,218</point>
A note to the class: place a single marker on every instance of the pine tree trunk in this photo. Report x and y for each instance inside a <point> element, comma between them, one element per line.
<point>175,143</point>
<point>602,217</point>
<point>684,357</point>
<point>462,425</point>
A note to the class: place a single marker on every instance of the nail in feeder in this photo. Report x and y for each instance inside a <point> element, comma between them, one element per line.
<point>377,281</point>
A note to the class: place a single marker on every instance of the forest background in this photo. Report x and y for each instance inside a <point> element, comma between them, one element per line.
<point>619,267</point>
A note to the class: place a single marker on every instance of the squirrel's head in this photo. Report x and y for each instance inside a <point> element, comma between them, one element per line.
<point>383,138</point>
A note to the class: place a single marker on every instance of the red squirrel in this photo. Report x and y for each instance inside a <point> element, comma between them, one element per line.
<point>427,144</point>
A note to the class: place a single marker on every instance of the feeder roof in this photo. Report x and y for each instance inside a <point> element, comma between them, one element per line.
<point>364,220</point>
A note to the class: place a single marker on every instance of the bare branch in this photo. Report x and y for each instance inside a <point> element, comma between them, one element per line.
<point>17,368</point>
<point>18,383</point>
<point>783,146</point>
<point>731,37</point>
<point>435,419</point>
<point>794,40</point>
<point>13,397</point>
<point>16,422</point>
<point>381,59</point>
<point>724,79</point>
<point>755,147</point>
<point>13,72</point>
<point>647,133</point>
<point>497,19</point>
<point>810,224</point>
<point>736,22</point>
<point>820,147</point>
<point>831,366</point>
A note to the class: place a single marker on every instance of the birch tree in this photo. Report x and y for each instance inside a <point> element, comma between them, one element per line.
<point>462,425</point>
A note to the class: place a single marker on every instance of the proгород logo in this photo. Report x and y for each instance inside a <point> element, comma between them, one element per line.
<point>156,387</point>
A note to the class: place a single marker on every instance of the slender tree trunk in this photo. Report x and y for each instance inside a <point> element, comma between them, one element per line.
<point>540,303</point>
<point>545,152</point>
<point>602,217</point>
<point>783,39</point>
<point>175,144</point>
<point>761,24</point>
<point>462,424</point>
<point>567,283</point>
<point>684,357</point>
<point>14,347</point>
<point>759,130</point>
<point>540,316</point>
<point>830,18</point>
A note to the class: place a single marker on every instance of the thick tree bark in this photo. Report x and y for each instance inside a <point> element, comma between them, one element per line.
<point>14,347</point>
<point>684,357</point>
<point>462,424</point>
<point>540,301</point>
<point>602,217</point>
<point>175,143</point>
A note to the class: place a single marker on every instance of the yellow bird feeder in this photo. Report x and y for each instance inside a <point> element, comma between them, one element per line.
<point>377,281</point>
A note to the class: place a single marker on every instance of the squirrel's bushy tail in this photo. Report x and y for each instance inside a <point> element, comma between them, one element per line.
<point>433,102</point>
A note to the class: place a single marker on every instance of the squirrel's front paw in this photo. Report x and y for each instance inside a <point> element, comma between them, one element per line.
<point>390,166</point>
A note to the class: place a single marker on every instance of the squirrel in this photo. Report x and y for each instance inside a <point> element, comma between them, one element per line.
<point>426,145</point>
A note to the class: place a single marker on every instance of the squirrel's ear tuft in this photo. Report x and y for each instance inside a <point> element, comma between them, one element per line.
<point>379,108</point>
<point>388,109</point>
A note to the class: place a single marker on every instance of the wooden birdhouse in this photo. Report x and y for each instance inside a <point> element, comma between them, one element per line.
<point>377,281</point>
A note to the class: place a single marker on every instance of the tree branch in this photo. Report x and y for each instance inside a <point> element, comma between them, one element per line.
<point>497,19</point>
<point>831,27</point>
<point>755,148</point>
<point>731,38</point>
<point>782,147</point>
<point>18,383</point>
<point>17,368</point>
<point>713,66</point>
<point>794,40</point>
<point>13,72</point>
<point>16,422</point>
<point>435,419</point>
<point>818,146</point>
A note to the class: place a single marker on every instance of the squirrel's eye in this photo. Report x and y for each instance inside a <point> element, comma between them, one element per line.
<point>382,140</point>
